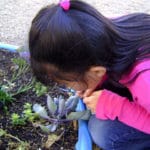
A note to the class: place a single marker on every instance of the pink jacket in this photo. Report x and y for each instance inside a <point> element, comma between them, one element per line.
<point>137,113</point>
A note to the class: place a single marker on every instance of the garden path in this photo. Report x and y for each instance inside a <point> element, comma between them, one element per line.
<point>16,15</point>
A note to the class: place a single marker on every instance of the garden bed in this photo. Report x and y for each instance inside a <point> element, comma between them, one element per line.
<point>28,136</point>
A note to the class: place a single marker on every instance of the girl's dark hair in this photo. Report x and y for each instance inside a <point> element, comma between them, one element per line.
<point>81,37</point>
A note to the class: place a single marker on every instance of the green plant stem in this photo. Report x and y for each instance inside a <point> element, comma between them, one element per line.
<point>20,71</point>
<point>13,137</point>
<point>58,120</point>
<point>25,88</point>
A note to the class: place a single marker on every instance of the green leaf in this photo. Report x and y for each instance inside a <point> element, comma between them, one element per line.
<point>40,110</point>
<point>2,132</point>
<point>5,98</point>
<point>15,116</point>
<point>17,120</point>
<point>61,106</point>
<point>83,115</point>
<point>40,89</point>
<point>52,127</point>
<point>73,104</point>
<point>52,138</point>
<point>52,107</point>
<point>69,101</point>
<point>49,128</point>
<point>44,128</point>
<point>27,106</point>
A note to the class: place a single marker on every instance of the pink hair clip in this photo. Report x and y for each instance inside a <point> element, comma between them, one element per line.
<point>65,4</point>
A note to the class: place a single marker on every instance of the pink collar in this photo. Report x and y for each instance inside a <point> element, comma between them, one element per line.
<point>135,71</point>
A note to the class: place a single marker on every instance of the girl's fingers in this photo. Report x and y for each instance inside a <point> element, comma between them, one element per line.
<point>88,92</point>
<point>91,101</point>
<point>87,100</point>
<point>83,94</point>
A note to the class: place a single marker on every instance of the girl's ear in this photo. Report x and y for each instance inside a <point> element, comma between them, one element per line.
<point>99,71</point>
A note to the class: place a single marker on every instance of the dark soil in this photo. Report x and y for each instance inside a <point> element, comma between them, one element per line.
<point>27,133</point>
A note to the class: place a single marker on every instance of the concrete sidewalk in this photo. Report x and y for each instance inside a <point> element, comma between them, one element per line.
<point>16,15</point>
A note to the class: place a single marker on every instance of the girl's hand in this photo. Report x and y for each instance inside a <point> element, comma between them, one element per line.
<point>92,100</point>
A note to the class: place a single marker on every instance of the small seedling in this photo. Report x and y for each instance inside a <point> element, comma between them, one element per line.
<point>17,120</point>
<point>21,67</point>
<point>26,116</point>
<point>5,99</point>
<point>40,89</point>
<point>60,111</point>
<point>24,88</point>
<point>7,92</point>
<point>21,144</point>
<point>10,88</point>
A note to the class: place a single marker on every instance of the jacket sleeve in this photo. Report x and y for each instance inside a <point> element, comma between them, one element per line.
<point>140,89</point>
<point>112,106</point>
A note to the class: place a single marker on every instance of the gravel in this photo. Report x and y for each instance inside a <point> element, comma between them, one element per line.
<point>16,15</point>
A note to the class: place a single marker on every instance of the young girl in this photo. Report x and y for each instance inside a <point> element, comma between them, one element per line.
<point>107,61</point>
